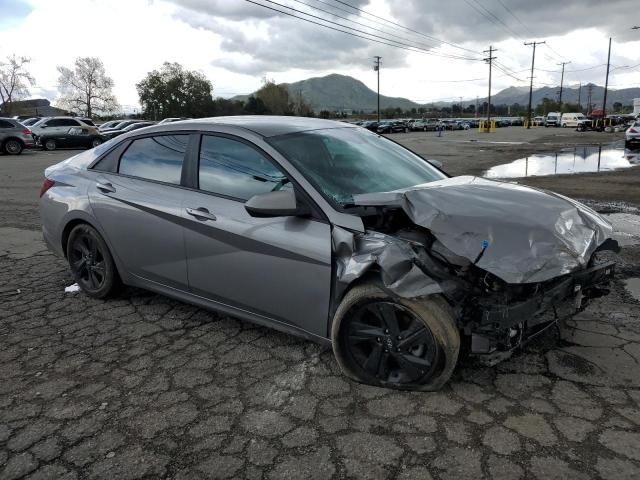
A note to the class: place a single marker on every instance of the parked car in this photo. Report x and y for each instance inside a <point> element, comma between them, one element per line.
<point>392,126</point>
<point>59,125</point>
<point>632,135</point>
<point>372,126</point>
<point>173,119</point>
<point>120,125</point>
<point>108,134</point>
<point>74,137</point>
<point>87,121</point>
<point>14,137</point>
<point>109,124</point>
<point>30,121</point>
<point>269,219</point>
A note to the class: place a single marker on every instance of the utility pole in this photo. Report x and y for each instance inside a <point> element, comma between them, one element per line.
<point>489,60</point>
<point>561,83</point>
<point>476,110</point>
<point>589,93</point>
<point>606,83</point>
<point>533,61</point>
<point>580,96</point>
<point>376,67</point>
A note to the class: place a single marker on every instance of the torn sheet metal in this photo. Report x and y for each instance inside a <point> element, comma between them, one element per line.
<point>518,233</point>
<point>356,253</point>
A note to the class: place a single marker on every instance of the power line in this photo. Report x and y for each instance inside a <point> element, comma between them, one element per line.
<point>514,16</point>
<point>363,25</point>
<point>491,17</point>
<point>350,30</point>
<point>406,28</point>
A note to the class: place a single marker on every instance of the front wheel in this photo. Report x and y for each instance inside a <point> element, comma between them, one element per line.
<point>395,342</point>
<point>95,142</point>
<point>13,147</point>
<point>91,262</point>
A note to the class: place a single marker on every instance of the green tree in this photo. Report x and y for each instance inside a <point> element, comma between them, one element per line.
<point>275,98</point>
<point>617,107</point>
<point>173,91</point>
<point>255,106</point>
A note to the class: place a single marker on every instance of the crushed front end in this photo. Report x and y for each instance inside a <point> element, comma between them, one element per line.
<point>507,273</point>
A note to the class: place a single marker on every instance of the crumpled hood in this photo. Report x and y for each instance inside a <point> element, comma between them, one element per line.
<point>518,233</point>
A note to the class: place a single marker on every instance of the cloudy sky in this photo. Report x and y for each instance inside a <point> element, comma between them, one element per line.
<point>432,50</point>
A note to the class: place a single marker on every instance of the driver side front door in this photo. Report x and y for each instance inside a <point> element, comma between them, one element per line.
<point>278,268</point>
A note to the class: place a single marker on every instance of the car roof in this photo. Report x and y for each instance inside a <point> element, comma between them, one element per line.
<point>264,125</point>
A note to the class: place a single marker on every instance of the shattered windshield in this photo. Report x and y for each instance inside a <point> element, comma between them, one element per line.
<point>343,162</point>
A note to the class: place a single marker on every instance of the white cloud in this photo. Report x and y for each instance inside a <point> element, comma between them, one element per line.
<point>235,44</point>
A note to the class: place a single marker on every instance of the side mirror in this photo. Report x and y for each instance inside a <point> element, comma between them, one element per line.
<point>43,126</point>
<point>281,203</point>
<point>435,163</point>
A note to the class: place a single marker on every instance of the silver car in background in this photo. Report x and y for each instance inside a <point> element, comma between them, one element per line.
<point>14,137</point>
<point>328,231</point>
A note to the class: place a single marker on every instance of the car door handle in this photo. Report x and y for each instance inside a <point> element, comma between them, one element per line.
<point>201,213</point>
<point>105,187</point>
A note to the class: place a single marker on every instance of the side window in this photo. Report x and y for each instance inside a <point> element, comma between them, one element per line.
<point>234,169</point>
<point>69,122</point>
<point>155,158</point>
<point>5,124</point>
<point>54,122</point>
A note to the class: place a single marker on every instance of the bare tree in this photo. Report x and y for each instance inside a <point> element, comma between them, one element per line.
<point>15,80</point>
<point>86,88</point>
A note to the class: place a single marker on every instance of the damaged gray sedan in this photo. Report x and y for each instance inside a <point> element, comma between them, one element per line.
<point>328,231</point>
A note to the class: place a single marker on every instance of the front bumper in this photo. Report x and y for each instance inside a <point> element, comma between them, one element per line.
<point>503,327</point>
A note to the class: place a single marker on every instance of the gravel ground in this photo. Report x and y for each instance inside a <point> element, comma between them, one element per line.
<point>146,387</point>
<point>472,153</point>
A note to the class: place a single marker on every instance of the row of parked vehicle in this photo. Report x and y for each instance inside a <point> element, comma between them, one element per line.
<point>51,133</point>
<point>432,124</point>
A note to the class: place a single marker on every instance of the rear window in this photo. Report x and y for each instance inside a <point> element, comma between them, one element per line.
<point>6,124</point>
<point>155,158</point>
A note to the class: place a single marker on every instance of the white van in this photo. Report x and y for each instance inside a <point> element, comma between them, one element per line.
<point>571,119</point>
<point>553,119</point>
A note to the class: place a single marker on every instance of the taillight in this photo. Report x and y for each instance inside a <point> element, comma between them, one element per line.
<point>26,131</point>
<point>633,130</point>
<point>47,184</point>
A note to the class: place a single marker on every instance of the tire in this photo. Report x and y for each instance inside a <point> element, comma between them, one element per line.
<point>50,144</point>
<point>13,147</point>
<point>91,262</point>
<point>95,142</point>
<point>398,362</point>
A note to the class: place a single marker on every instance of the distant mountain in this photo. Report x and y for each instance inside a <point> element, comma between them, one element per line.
<point>343,93</point>
<point>520,95</point>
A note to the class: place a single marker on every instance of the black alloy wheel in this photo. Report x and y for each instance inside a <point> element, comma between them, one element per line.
<point>13,147</point>
<point>390,343</point>
<point>91,263</point>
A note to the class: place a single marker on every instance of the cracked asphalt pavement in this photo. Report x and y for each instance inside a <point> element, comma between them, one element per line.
<point>143,386</point>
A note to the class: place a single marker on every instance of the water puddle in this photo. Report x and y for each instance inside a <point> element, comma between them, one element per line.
<point>633,287</point>
<point>626,228</point>
<point>568,161</point>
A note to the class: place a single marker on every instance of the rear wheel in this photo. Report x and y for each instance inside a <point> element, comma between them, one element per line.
<point>395,342</point>
<point>50,144</point>
<point>91,262</point>
<point>13,147</point>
